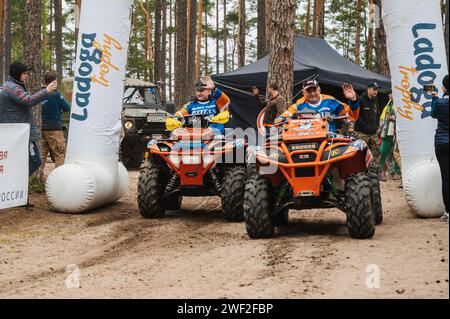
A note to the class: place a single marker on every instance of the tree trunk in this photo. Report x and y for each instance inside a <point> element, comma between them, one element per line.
<point>198,59</point>
<point>281,62</point>
<point>206,40</point>
<point>308,19</point>
<point>7,35</point>
<point>268,7</point>
<point>148,41</point>
<point>191,46</point>
<point>180,57</point>
<point>170,49</point>
<point>32,53</point>
<point>370,39</point>
<point>2,40</point>
<point>380,49</point>
<point>241,33</point>
<point>225,37</point>
<point>58,39</point>
<point>164,48</point>
<point>77,21</point>
<point>358,32</point>
<point>262,41</point>
<point>217,39</point>
<point>319,19</point>
<point>157,43</point>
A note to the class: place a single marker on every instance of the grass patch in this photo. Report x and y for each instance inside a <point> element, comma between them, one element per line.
<point>36,186</point>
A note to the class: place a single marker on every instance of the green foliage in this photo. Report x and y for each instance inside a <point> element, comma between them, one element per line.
<point>36,186</point>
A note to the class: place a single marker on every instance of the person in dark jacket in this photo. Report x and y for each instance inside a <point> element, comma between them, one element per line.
<point>275,106</point>
<point>52,135</point>
<point>16,106</point>
<point>369,120</point>
<point>439,111</point>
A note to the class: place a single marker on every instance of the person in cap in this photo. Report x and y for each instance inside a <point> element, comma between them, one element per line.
<point>313,99</point>
<point>16,106</point>
<point>439,111</point>
<point>208,100</point>
<point>369,121</point>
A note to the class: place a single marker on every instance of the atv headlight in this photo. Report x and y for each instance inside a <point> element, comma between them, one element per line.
<point>304,146</point>
<point>175,160</point>
<point>151,143</point>
<point>128,125</point>
<point>191,159</point>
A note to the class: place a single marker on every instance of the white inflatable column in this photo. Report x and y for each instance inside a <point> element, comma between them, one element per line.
<point>417,57</point>
<point>92,175</point>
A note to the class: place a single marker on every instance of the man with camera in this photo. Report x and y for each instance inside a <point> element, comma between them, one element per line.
<point>16,106</point>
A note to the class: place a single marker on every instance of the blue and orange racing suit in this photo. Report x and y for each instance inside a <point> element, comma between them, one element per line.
<point>327,104</point>
<point>219,102</point>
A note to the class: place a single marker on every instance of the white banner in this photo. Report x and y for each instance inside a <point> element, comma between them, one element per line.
<point>99,80</point>
<point>417,57</point>
<point>14,144</point>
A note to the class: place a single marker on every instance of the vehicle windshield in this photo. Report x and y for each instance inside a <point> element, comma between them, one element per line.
<point>144,97</point>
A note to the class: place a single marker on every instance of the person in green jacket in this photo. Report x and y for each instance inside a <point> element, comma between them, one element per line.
<point>388,137</point>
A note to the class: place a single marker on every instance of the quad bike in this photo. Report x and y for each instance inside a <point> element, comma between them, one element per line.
<point>310,167</point>
<point>194,161</point>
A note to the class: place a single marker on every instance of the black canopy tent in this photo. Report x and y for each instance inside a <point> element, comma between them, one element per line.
<point>312,57</point>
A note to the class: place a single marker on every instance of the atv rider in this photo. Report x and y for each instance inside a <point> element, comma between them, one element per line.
<point>313,100</point>
<point>208,101</point>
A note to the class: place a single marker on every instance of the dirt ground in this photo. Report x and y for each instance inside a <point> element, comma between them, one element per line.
<point>194,253</point>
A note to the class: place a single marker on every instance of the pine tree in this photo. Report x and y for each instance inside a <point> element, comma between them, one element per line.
<point>58,39</point>
<point>180,54</point>
<point>241,33</point>
<point>281,62</point>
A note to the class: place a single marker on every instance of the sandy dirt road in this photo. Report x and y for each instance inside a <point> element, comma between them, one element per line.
<point>194,253</point>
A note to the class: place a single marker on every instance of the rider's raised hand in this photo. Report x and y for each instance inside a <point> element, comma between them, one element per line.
<point>209,82</point>
<point>349,92</point>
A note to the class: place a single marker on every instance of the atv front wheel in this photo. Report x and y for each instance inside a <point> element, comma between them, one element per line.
<point>233,193</point>
<point>258,221</point>
<point>376,198</point>
<point>150,202</point>
<point>359,208</point>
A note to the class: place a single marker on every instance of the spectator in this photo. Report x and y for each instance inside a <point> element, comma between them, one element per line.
<point>52,135</point>
<point>369,119</point>
<point>439,111</point>
<point>388,138</point>
<point>16,106</point>
<point>275,106</point>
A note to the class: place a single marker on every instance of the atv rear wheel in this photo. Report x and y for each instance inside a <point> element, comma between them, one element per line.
<point>359,207</point>
<point>150,202</point>
<point>233,193</point>
<point>376,198</point>
<point>258,221</point>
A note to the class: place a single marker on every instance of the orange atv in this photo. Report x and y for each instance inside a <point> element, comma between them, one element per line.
<point>304,167</point>
<point>194,161</point>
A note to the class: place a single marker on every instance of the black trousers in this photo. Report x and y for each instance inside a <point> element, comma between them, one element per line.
<point>442,157</point>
